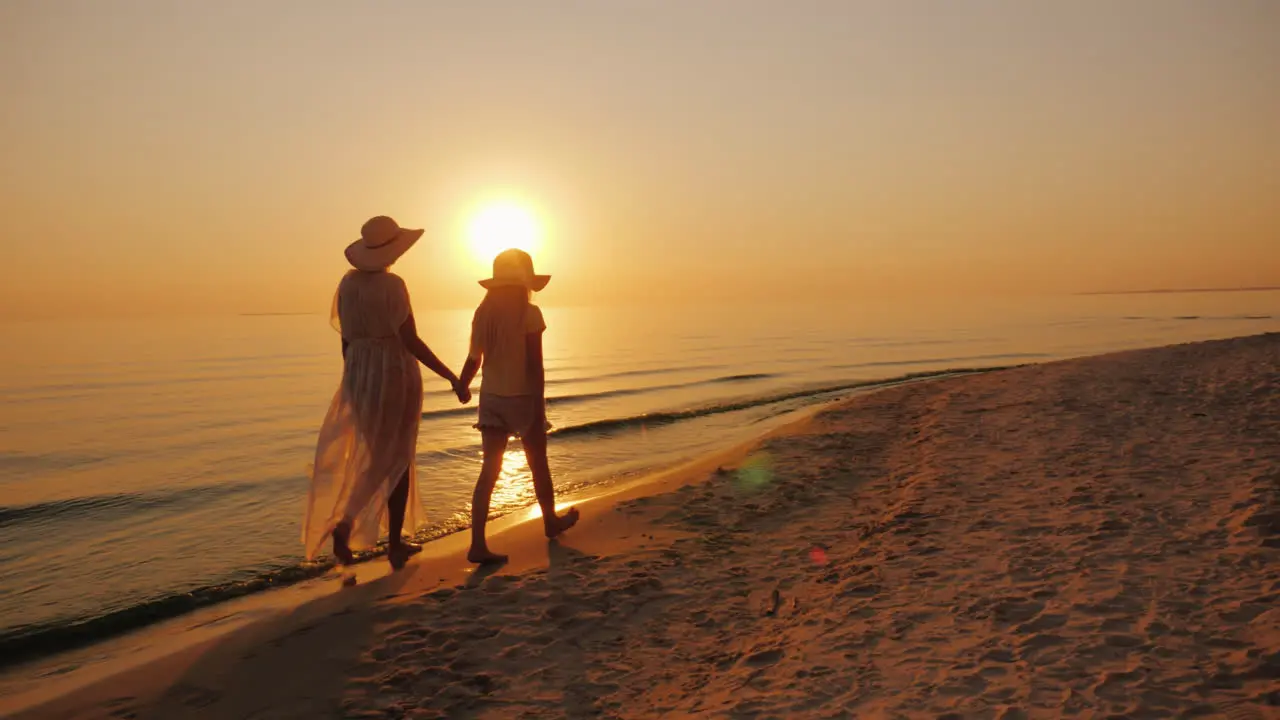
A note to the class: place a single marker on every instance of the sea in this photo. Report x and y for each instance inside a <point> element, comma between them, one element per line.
<point>150,467</point>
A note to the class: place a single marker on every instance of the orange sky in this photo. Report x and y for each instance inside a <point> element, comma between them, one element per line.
<point>165,156</point>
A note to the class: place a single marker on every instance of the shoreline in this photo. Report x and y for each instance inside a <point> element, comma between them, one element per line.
<point>919,548</point>
<point>38,646</point>
<point>27,688</point>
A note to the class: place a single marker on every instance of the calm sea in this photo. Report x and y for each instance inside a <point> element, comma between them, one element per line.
<point>148,467</point>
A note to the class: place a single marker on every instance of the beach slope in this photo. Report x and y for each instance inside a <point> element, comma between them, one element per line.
<point>1090,537</point>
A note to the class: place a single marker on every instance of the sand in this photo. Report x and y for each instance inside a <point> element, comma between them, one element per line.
<point>1089,538</point>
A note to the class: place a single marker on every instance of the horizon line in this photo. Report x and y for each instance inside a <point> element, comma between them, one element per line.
<point>1173,291</point>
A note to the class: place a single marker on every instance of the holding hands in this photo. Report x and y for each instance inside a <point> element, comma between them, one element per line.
<point>462,391</point>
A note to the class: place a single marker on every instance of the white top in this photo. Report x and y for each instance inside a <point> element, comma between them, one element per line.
<point>504,354</point>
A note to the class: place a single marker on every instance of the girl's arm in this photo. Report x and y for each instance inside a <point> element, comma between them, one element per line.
<point>471,366</point>
<point>409,336</point>
<point>463,387</point>
<point>469,370</point>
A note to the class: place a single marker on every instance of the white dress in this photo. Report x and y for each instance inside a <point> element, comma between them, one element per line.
<point>369,437</point>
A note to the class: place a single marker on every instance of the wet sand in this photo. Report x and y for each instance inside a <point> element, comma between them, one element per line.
<point>1088,538</point>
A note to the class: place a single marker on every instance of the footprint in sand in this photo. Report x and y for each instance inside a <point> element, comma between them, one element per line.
<point>967,686</point>
<point>993,671</point>
<point>1114,686</point>
<point>1038,648</point>
<point>196,697</point>
<point>122,707</point>
<point>999,655</point>
<point>1114,625</point>
<point>1016,609</point>
<point>1048,621</point>
<point>855,588</point>
<point>765,657</point>
<point>1124,641</point>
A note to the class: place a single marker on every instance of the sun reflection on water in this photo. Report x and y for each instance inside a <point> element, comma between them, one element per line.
<point>514,488</point>
<point>512,492</point>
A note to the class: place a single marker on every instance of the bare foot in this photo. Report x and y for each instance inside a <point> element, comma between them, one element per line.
<point>484,556</point>
<point>562,523</point>
<point>341,543</point>
<point>400,553</point>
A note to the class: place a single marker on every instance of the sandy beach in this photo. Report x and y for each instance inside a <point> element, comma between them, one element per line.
<point>1088,538</point>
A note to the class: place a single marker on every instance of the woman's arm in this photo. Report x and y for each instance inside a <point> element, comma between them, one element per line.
<point>337,309</point>
<point>409,336</point>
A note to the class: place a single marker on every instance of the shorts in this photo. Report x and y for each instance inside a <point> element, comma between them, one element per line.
<point>513,414</point>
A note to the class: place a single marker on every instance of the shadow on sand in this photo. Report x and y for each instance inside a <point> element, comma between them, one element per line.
<point>295,665</point>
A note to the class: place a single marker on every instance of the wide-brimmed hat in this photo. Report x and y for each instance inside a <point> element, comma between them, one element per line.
<point>515,267</point>
<point>382,242</point>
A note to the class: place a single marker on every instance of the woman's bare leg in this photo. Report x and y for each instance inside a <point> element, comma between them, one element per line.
<point>342,542</point>
<point>495,444</point>
<point>397,503</point>
<point>535,453</point>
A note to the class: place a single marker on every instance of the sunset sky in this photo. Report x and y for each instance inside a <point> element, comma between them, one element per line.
<point>190,156</point>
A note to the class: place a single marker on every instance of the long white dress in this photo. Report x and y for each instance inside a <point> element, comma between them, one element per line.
<point>370,433</point>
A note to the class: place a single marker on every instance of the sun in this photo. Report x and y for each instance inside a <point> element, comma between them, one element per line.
<point>500,226</point>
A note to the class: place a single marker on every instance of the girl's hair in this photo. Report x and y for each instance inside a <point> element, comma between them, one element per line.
<point>504,309</point>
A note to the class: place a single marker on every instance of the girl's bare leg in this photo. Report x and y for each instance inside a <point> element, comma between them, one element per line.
<point>535,453</point>
<point>495,444</point>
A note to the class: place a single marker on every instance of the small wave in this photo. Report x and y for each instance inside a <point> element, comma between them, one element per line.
<point>892,342</point>
<point>103,507</point>
<point>33,641</point>
<point>607,376</point>
<point>643,372</point>
<point>935,361</point>
<point>606,394</point>
<point>1222,317</point>
<point>743,377</point>
<point>1188,318</point>
<point>602,427</point>
<point>90,386</point>
<point>27,462</point>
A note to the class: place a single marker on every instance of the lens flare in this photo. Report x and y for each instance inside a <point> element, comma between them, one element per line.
<point>755,472</point>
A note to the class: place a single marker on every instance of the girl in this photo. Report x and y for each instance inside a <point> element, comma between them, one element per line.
<point>365,454</point>
<point>506,339</point>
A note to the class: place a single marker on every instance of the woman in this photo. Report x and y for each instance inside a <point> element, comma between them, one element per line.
<point>506,339</point>
<point>365,454</point>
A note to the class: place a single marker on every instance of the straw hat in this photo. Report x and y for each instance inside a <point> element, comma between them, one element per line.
<point>515,267</point>
<point>382,242</point>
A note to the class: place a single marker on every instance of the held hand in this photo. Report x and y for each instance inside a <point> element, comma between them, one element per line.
<point>463,392</point>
